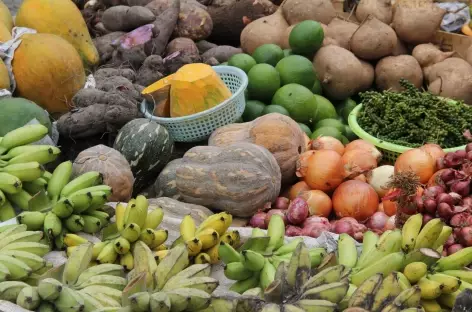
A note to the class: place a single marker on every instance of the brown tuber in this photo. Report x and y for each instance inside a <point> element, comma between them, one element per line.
<point>381,9</point>
<point>125,18</point>
<point>296,11</point>
<point>341,32</point>
<point>428,54</point>
<point>391,69</point>
<point>468,56</point>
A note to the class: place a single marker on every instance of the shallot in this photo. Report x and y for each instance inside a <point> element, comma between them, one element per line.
<point>379,177</point>
<point>467,202</point>
<point>281,203</point>
<point>430,206</point>
<point>447,175</point>
<point>433,191</point>
<point>461,187</point>
<point>319,204</point>
<point>445,211</point>
<point>453,160</point>
<point>445,198</point>
<point>427,218</point>
<point>377,221</point>
<point>391,223</point>
<point>272,212</point>
<point>322,221</point>
<point>468,147</point>
<point>258,220</point>
<point>297,211</point>
<point>343,227</point>
<point>454,248</point>
<point>460,220</point>
<point>292,230</point>
<point>313,231</point>
<point>328,143</point>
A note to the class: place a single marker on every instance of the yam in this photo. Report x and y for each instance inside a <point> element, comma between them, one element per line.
<point>221,53</point>
<point>268,29</point>
<point>367,76</point>
<point>165,22</point>
<point>341,31</point>
<point>125,18</point>
<point>381,9</point>
<point>131,58</point>
<point>230,20</point>
<point>391,69</point>
<point>340,72</point>
<point>105,73</point>
<point>194,23</point>
<point>105,45</point>
<point>204,46</point>
<point>158,7</point>
<point>428,54</point>
<point>373,40</point>
<point>296,11</point>
<point>417,24</point>
<point>400,48</point>
<point>184,45</point>
<point>151,71</point>
<point>468,55</point>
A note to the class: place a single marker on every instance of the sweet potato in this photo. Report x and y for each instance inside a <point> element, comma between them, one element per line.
<point>221,53</point>
<point>165,22</point>
<point>131,58</point>
<point>151,71</point>
<point>428,54</point>
<point>184,45</point>
<point>204,46</point>
<point>296,11</point>
<point>468,56</point>
<point>381,9</point>
<point>341,31</point>
<point>104,45</point>
<point>417,24</point>
<point>373,39</point>
<point>340,72</point>
<point>229,20</point>
<point>194,23</point>
<point>391,69</point>
<point>125,18</point>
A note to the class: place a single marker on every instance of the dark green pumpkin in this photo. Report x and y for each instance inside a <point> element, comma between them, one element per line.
<point>147,146</point>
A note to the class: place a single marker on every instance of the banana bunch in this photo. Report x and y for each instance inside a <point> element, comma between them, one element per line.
<point>203,241</point>
<point>83,288</point>
<point>21,171</point>
<point>172,285</point>
<point>256,262</point>
<point>294,289</point>
<point>134,224</point>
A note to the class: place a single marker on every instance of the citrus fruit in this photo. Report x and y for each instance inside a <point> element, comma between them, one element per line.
<point>330,122</point>
<point>306,37</point>
<point>316,89</point>
<point>246,94</point>
<point>305,129</point>
<point>326,131</point>
<point>288,52</point>
<point>275,109</point>
<point>242,61</point>
<point>325,109</point>
<point>298,100</point>
<point>253,110</point>
<point>264,80</point>
<point>296,69</point>
<point>345,107</point>
<point>268,53</point>
<point>344,140</point>
<point>350,135</point>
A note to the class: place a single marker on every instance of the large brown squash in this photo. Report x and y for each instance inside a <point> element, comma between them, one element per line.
<point>276,132</point>
<point>165,185</point>
<point>112,165</point>
<point>239,178</point>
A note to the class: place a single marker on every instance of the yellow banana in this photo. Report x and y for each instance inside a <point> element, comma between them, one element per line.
<point>415,271</point>
<point>451,284</point>
<point>187,228</point>
<point>410,232</point>
<point>127,261</point>
<point>74,240</point>
<point>442,238</point>
<point>194,246</point>
<point>120,216</point>
<point>430,289</point>
<point>154,218</point>
<point>208,237</point>
<point>429,234</point>
<point>347,251</point>
<point>138,211</point>
<point>202,258</point>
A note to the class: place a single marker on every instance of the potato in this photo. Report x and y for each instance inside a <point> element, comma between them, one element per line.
<point>417,24</point>
<point>340,72</point>
<point>381,9</point>
<point>341,31</point>
<point>296,11</point>
<point>391,69</point>
<point>373,40</point>
<point>428,54</point>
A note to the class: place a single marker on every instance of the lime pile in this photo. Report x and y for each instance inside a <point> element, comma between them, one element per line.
<point>285,82</point>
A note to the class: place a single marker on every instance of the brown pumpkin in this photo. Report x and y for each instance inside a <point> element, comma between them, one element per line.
<point>239,178</point>
<point>165,183</point>
<point>276,132</point>
<point>112,165</point>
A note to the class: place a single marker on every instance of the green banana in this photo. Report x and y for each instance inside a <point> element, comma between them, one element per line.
<point>9,183</point>
<point>25,171</point>
<point>52,224</point>
<point>41,156</point>
<point>22,136</point>
<point>228,254</point>
<point>385,265</point>
<point>60,177</point>
<point>34,220</point>
<point>85,180</point>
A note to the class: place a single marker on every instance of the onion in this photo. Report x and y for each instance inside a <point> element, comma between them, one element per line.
<point>324,170</point>
<point>430,206</point>
<point>297,211</point>
<point>322,221</point>
<point>440,163</point>
<point>361,178</point>
<point>342,226</point>
<point>258,220</point>
<point>292,230</point>
<point>319,204</point>
<point>433,191</point>
<point>450,241</point>
<point>356,162</point>
<point>363,145</point>
<point>281,203</point>
<point>447,175</point>
<point>377,221</point>
<point>461,187</point>
<point>436,179</point>
<point>427,218</point>
<point>328,143</point>
<point>469,156</point>
<point>459,209</point>
<point>468,147</point>
<point>460,153</point>
<point>379,177</point>
<point>302,163</point>
<point>445,198</point>
<point>419,203</point>
<point>355,199</point>
<point>467,202</point>
<point>434,150</point>
<point>297,188</point>
<point>391,223</point>
<point>454,248</point>
<point>445,211</point>
<point>418,161</point>
<point>272,212</point>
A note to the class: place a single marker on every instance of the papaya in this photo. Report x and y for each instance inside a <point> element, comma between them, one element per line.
<point>4,77</point>
<point>48,71</point>
<point>5,34</point>
<point>61,18</point>
<point>195,88</point>
<point>5,16</point>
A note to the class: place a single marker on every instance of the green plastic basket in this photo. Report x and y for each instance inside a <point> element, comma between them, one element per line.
<point>389,151</point>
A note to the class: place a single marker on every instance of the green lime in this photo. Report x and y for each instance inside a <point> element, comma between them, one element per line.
<point>246,94</point>
<point>350,135</point>
<point>288,52</point>
<point>327,131</point>
<point>345,107</point>
<point>275,109</point>
<point>264,81</point>
<point>268,53</point>
<point>344,140</point>
<point>306,37</point>
<point>316,89</point>
<point>239,120</point>
<point>253,110</point>
<point>243,61</point>
<point>305,129</point>
<point>329,122</point>
<point>296,69</point>
<point>298,100</point>
<point>325,109</point>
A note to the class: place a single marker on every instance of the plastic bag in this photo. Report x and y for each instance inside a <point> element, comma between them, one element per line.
<point>458,15</point>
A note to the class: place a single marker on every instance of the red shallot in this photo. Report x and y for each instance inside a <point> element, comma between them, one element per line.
<point>377,221</point>
<point>281,203</point>
<point>322,221</point>
<point>454,248</point>
<point>297,211</point>
<point>258,220</point>
<point>292,230</point>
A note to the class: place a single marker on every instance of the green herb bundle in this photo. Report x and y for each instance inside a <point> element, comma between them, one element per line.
<point>414,117</point>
